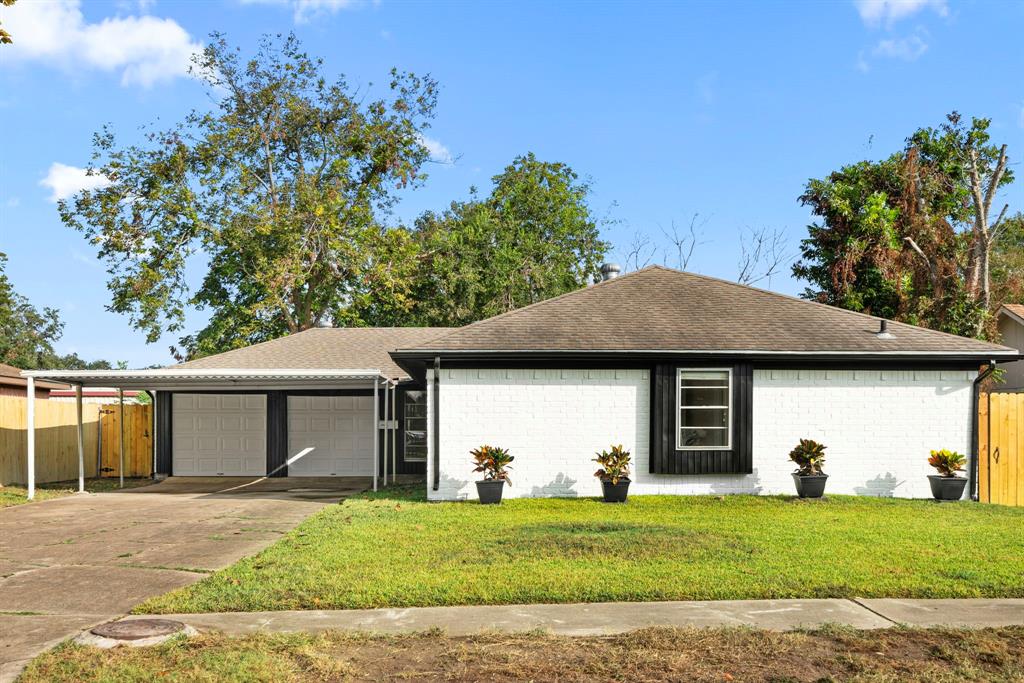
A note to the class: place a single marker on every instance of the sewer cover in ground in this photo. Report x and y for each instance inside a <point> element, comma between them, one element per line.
<point>137,629</point>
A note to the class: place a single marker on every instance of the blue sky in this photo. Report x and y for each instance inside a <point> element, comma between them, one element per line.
<point>671,109</point>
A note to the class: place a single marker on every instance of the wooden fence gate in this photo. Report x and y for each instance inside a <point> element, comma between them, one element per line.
<point>1001,448</point>
<point>138,441</point>
<point>57,440</point>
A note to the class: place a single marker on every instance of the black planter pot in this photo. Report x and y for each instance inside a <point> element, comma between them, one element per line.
<point>947,488</point>
<point>615,493</point>
<point>489,491</point>
<point>810,485</point>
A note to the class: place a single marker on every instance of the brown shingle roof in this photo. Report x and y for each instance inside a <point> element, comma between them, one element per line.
<point>1016,309</point>
<point>660,309</point>
<point>324,348</point>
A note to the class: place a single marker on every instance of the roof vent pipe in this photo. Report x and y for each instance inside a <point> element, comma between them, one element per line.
<point>610,271</point>
<point>883,330</point>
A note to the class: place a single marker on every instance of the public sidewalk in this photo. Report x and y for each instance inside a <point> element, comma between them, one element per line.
<point>619,617</point>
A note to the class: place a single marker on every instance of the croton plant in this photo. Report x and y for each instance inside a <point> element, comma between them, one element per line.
<point>947,462</point>
<point>809,456</point>
<point>614,464</point>
<point>493,461</point>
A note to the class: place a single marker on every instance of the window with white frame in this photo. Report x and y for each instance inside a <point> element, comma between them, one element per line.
<point>704,402</point>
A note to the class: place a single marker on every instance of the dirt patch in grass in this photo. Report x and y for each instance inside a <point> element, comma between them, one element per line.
<point>655,654</point>
<point>11,495</point>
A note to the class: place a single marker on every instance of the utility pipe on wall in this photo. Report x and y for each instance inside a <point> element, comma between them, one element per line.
<point>394,433</point>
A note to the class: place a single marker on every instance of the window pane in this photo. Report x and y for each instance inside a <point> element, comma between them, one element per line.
<point>704,378</point>
<point>415,426</point>
<point>705,417</point>
<point>704,397</point>
<point>697,438</point>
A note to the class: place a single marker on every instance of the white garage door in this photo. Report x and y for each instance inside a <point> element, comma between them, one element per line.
<point>332,435</point>
<point>219,434</point>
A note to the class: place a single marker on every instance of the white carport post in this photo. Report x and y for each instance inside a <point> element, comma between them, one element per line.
<point>120,467</point>
<point>31,419</point>
<point>81,441</point>
<point>376,432</point>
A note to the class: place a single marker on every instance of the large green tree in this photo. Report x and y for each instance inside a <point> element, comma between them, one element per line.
<point>277,192</point>
<point>533,237</point>
<point>911,237</point>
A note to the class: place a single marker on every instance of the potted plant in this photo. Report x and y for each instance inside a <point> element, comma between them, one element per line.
<point>809,455</point>
<point>946,485</point>
<point>493,462</point>
<point>614,474</point>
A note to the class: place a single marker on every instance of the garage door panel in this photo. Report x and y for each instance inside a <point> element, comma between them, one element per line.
<point>327,428</point>
<point>219,434</point>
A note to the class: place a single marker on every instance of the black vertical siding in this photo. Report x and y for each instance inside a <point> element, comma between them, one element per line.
<point>163,432</point>
<point>665,459</point>
<point>277,433</point>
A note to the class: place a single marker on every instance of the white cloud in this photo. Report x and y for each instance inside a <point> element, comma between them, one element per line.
<point>438,152</point>
<point>65,181</point>
<point>306,10</point>
<point>888,12</point>
<point>907,49</point>
<point>12,202</point>
<point>143,49</point>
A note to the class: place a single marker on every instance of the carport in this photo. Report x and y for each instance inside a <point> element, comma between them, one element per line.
<point>228,419</point>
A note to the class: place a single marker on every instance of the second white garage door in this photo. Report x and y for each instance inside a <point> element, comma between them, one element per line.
<point>219,434</point>
<point>333,434</point>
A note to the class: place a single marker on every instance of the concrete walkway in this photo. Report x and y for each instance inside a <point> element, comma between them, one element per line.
<point>619,617</point>
<point>70,563</point>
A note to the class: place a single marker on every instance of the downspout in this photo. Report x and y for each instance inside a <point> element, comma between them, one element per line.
<point>436,416</point>
<point>972,463</point>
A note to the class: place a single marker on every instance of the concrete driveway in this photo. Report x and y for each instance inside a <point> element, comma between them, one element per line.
<point>73,562</point>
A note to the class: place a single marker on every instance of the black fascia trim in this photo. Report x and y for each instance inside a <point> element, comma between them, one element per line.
<point>626,360</point>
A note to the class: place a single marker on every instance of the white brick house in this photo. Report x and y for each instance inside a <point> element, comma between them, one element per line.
<point>708,383</point>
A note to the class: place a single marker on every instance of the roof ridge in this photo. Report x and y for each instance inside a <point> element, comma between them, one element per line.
<point>558,297</point>
<point>801,300</point>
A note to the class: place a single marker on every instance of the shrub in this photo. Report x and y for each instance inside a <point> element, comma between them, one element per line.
<point>492,461</point>
<point>614,464</point>
<point>809,455</point>
<point>948,463</point>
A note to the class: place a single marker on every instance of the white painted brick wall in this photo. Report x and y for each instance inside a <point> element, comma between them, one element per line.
<point>879,427</point>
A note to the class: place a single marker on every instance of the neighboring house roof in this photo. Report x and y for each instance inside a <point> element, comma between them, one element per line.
<point>324,348</point>
<point>11,376</point>
<point>1013,311</point>
<point>661,309</point>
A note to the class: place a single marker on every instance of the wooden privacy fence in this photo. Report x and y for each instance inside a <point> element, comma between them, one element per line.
<point>57,440</point>
<point>1001,448</point>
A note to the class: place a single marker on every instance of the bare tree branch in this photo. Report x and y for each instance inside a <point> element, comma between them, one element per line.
<point>762,253</point>
<point>684,244</point>
<point>639,253</point>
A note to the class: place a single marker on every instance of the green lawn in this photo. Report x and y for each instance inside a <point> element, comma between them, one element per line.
<point>16,495</point>
<point>392,550</point>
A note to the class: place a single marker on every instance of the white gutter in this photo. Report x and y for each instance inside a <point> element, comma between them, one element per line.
<point>208,373</point>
